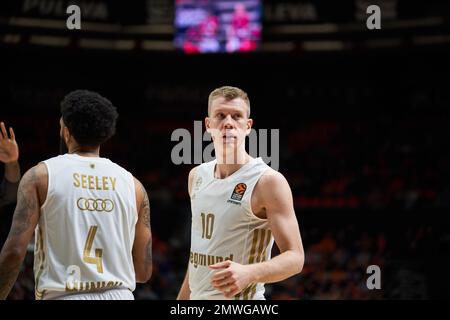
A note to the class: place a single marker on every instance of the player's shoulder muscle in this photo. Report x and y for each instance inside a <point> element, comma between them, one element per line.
<point>272,186</point>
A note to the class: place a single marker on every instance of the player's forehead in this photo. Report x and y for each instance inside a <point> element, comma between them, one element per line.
<point>221,104</point>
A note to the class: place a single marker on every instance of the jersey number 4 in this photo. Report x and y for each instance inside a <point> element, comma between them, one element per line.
<point>97,260</point>
<point>207,225</point>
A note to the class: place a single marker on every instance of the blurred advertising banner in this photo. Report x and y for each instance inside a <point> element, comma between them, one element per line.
<point>275,12</point>
<point>347,11</point>
<point>100,11</point>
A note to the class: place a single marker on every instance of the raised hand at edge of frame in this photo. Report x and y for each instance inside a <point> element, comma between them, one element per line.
<point>9,150</point>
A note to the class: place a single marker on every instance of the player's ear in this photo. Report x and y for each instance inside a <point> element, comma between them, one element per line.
<point>249,126</point>
<point>66,134</point>
<point>208,124</point>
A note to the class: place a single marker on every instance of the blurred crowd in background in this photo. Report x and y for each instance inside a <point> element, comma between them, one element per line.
<point>362,143</point>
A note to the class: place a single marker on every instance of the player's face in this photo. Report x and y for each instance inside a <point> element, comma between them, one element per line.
<point>228,122</point>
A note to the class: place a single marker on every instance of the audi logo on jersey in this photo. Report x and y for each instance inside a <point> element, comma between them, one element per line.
<point>99,205</point>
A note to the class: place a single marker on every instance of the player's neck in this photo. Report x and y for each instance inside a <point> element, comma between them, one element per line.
<point>226,166</point>
<point>85,151</point>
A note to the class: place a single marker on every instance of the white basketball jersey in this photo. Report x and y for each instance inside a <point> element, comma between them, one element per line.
<point>85,234</point>
<point>224,227</point>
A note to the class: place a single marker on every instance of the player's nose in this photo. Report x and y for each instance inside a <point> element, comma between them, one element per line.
<point>228,122</point>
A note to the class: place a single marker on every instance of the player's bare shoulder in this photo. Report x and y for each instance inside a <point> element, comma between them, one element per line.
<point>271,189</point>
<point>38,172</point>
<point>270,180</point>
<point>142,193</point>
<point>36,178</point>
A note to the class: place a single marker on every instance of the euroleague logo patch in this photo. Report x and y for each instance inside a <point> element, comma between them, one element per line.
<point>239,191</point>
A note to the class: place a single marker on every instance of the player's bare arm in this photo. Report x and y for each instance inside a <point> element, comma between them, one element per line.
<point>185,292</point>
<point>31,194</point>
<point>272,199</point>
<point>142,247</point>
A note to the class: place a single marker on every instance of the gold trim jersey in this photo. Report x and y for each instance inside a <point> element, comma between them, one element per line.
<point>225,228</point>
<point>85,235</point>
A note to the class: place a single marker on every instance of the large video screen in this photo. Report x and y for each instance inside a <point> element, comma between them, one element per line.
<point>211,26</point>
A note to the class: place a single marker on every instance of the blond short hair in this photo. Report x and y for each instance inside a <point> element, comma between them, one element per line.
<point>229,93</point>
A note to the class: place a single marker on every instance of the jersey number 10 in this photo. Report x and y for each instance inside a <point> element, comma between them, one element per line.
<point>207,225</point>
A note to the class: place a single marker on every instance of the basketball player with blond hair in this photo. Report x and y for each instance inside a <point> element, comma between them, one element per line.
<point>240,207</point>
<point>91,217</point>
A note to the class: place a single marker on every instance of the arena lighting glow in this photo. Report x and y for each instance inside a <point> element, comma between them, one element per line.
<point>212,26</point>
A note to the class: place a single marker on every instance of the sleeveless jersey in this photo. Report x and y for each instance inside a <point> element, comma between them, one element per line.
<point>224,227</point>
<point>85,234</point>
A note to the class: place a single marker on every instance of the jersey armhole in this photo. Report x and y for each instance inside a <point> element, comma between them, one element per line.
<point>136,209</point>
<point>48,185</point>
<point>194,176</point>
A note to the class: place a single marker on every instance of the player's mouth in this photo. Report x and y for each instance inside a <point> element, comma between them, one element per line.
<point>229,137</point>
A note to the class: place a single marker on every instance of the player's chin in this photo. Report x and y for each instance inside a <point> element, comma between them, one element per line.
<point>229,142</point>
